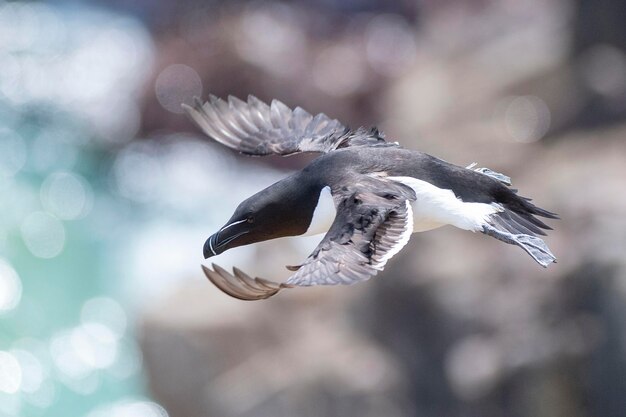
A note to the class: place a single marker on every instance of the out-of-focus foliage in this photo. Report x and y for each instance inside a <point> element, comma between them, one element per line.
<point>107,193</point>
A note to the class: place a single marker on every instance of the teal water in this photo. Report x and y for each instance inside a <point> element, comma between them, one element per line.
<point>67,329</point>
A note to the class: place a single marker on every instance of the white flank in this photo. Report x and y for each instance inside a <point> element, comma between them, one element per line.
<point>324,214</point>
<point>435,207</point>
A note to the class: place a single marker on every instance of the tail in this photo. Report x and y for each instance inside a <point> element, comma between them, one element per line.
<point>517,218</point>
<point>533,245</point>
<point>517,223</point>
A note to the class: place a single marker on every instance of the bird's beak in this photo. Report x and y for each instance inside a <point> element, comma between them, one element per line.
<point>224,239</point>
<point>209,246</point>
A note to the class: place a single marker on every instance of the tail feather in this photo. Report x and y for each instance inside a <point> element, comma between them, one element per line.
<point>518,210</point>
<point>533,245</point>
<point>530,224</point>
<point>518,223</point>
<point>544,213</point>
<point>504,221</point>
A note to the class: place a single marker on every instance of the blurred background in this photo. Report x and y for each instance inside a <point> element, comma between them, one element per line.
<point>107,193</point>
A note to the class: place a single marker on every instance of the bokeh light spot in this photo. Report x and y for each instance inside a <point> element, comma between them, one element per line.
<point>10,75</point>
<point>105,311</point>
<point>603,68</point>
<point>66,195</point>
<point>527,118</point>
<point>12,153</point>
<point>33,373</point>
<point>137,172</point>
<point>95,345</point>
<point>43,234</point>
<point>130,408</point>
<point>177,84</point>
<point>271,37</point>
<point>10,373</point>
<point>64,356</point>
<point>10,287</point>
<point>339,71</point>
<point>473,367</point>
<point>390,44</point>
<point>45,396</point>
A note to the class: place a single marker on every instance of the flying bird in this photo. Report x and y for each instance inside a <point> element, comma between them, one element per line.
<point>377,194</point>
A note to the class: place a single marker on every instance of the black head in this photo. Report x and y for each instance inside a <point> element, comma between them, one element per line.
<point>283,209</point>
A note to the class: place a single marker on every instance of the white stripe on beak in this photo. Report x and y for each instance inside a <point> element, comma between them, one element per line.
<point>232,224</point>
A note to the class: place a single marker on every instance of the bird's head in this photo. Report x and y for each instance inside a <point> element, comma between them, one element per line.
<point>277,211</point>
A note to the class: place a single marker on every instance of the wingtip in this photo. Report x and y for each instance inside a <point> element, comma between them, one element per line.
<point>235,101</point>
<point>206,271</point>
<point>240,285</point>
<point>255,101</point>
<point>279,105</point>
<point>193,108</point>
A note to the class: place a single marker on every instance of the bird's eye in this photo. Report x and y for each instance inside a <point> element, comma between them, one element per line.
<point>250,219</point>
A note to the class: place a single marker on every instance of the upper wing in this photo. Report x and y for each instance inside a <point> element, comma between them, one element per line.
<point>372,225</point>
<point>254,128</point>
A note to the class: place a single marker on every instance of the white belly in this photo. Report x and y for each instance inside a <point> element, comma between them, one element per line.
<point>435,207</point>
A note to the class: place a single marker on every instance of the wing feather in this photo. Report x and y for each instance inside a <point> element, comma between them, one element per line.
<point>254,128</point>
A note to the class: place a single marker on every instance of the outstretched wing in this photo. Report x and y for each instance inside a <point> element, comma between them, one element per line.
<point>374,221</point>
<point>254,128</point>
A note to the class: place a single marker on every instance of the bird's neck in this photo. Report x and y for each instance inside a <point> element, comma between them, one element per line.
<point>299,197</point>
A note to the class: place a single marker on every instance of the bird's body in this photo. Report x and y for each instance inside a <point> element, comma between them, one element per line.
<point>366,194</point>
<point>445,194</point>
